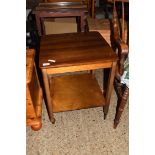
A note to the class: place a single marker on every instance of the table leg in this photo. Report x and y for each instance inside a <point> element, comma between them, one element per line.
<point>86,27</point>
<point>109,89</point>
<point>78,24</point>
<point>42,26</point>
<point>82,23</point>
<point>38,22</point>
<point>106,73</point>
<point>48,96</point>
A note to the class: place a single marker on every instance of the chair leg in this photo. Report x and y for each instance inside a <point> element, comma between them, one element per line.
<point>93,8</point>
<point>120,106</point>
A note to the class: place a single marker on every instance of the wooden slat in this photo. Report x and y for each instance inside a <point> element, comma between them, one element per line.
<point>123,31</point>
<point>82,67</point>
<point>60,5</point>
<point>57,7</point>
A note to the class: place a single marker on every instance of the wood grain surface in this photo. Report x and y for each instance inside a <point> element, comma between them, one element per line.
<point>33,93</point>
<point>73,49</point>
<point>68,93</point>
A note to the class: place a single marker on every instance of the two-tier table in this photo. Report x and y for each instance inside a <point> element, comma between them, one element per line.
<point>70,53</point>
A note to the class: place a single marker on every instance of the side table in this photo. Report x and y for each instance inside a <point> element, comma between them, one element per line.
<point>72,52</point>
<point>60,9</point>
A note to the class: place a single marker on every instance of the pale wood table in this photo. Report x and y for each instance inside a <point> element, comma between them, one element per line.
<point>33,93</point>
<point>74,52</point>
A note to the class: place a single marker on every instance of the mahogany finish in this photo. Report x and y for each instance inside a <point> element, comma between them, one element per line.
<point>33,93</point>
<point>74,49</point>
<point>119,45</point>
<point>60,9</point>
<point>85,2</point>
<point>74,52</point>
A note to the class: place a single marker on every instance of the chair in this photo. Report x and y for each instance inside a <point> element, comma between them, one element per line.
<point>120,46</point>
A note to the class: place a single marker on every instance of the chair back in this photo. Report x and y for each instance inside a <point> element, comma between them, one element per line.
<point>119,25</point>
<point>119,36</point>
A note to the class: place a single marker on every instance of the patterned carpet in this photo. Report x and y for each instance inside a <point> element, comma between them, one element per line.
<point>81,132</point>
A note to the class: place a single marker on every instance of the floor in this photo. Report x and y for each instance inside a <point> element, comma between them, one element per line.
<point>81,132</point>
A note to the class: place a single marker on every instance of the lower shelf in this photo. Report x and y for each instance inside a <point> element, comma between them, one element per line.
<point>78,91</point>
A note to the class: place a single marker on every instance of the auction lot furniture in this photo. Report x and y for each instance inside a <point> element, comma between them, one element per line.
<point>33,93</point>
<point>60,9</point>
<point>103,26</point>
<point>120,45</point>
<point>72,52</point>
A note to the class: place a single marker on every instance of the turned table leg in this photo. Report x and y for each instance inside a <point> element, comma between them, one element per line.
<point>121,106</point>
<point>109,89</point>
<point>48,96</point>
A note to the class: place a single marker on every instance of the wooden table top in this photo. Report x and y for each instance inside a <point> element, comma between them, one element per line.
<point>61,6</point>
<point>73,49</point>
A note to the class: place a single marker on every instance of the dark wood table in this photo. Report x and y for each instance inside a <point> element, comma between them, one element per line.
<point>73,52</point>
<point>60,9</point>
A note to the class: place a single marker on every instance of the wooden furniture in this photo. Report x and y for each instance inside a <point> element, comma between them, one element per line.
<point>60,9</point>
<point>103,26</point>
<point>86,2</point>
<point>72,52</point>
<point>120,45</point>
<point>33,93</point>
<point>93,8</point>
